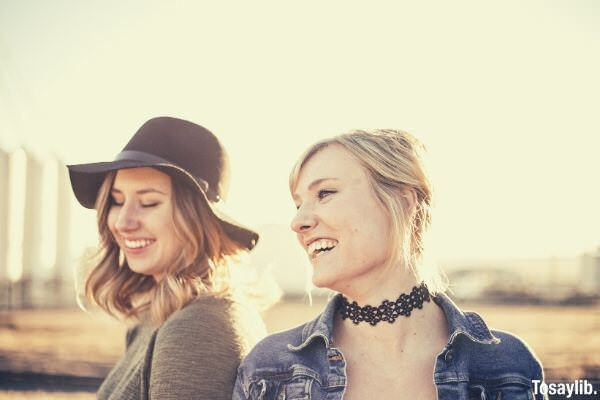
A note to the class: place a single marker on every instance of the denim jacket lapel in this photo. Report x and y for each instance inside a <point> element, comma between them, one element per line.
<point>466,323</point>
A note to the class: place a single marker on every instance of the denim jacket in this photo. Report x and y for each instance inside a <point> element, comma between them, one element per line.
<point>476,363</point>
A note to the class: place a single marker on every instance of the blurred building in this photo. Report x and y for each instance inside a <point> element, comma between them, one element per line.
<point>4,184</point>
<point>35,209</point>
<point>590,272</point>
<point>551,280</point>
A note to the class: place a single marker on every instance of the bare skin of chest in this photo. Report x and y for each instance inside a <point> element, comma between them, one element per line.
<point>395,361</point>
<point>407,381</point>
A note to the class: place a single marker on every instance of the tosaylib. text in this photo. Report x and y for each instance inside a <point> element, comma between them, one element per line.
<point>580,386</point>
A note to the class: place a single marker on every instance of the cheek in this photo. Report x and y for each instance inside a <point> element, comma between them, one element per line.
<point>111,220</point>
<point>163,221</point>
<point>165,226</point>
<point>354,223</point>
<point>369,232</point>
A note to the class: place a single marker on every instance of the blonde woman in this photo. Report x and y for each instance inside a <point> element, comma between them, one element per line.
<point>363,207</point>
<point>162,263</point>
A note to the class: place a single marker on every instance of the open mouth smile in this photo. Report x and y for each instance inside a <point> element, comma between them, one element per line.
<point>320,246</point>
<point>138,244</point>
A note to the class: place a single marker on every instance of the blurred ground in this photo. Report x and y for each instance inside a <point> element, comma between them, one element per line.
<point>40,350</point>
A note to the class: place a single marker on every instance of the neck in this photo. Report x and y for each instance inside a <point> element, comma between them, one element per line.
<point>387,311</point>
<point>378,285</point>
<point>422,325</point>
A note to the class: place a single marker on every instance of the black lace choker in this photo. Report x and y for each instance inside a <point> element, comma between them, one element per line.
<point>388,310</point>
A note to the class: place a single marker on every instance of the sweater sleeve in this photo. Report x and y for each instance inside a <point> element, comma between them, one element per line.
<point>196,354</point>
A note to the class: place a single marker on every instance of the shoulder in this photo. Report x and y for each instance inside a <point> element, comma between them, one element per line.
<point>512,348</point>
<point>483,352</point>
<point>213,321</point>
<point>200,316</point>
<point>306,344</point>
<point>197,351</point>
<point>201,309</point>
<point>510,355</point>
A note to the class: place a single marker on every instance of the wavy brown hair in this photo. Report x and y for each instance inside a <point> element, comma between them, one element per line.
<point>200,269</point>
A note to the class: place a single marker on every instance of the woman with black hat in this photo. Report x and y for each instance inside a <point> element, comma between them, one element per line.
<point>162,263</point>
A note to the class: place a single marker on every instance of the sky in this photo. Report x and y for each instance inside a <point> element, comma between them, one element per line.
<point>505,95</point>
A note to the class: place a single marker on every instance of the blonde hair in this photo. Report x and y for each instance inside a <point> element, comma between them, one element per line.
<point>394,161</point>
<point>199,269</point>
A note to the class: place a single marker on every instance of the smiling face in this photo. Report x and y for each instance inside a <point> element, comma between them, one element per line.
<point>340,222</point>
<point>141,220</point>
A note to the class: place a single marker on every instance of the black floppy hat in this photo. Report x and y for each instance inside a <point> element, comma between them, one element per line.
<point>175,145</point>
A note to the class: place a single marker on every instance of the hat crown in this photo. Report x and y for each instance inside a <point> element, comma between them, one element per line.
<point>188,146</point>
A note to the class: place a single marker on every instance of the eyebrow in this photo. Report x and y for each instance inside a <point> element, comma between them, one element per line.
<point>315,183</point>
<point>141,191</point>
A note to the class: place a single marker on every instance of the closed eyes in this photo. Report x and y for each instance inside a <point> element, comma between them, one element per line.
<point>147,205</point>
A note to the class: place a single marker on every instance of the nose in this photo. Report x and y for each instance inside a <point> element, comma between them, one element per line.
<point>127,218</point>
<point>303,221</point>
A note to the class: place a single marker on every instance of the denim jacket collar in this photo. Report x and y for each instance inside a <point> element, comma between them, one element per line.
<point>466,323</point>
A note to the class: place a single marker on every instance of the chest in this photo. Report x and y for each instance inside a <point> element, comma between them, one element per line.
<point>397,380</point>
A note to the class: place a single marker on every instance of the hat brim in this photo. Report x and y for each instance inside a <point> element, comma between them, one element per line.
<point>86,180</point>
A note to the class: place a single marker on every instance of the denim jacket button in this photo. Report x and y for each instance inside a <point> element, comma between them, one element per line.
<point>449,356</point>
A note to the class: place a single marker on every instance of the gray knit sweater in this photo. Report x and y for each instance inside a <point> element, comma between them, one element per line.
<point>193,355</point>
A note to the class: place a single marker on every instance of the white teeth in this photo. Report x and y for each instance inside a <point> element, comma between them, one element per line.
<point>320,244</point>
<point>136,244</point>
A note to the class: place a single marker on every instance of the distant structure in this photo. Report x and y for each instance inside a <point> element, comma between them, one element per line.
<point>32,270</point>
<point>63,263</point>
<point>4,184</point>
<point>35,205</point>
<point>549,280</point>
<point>590,272</point>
